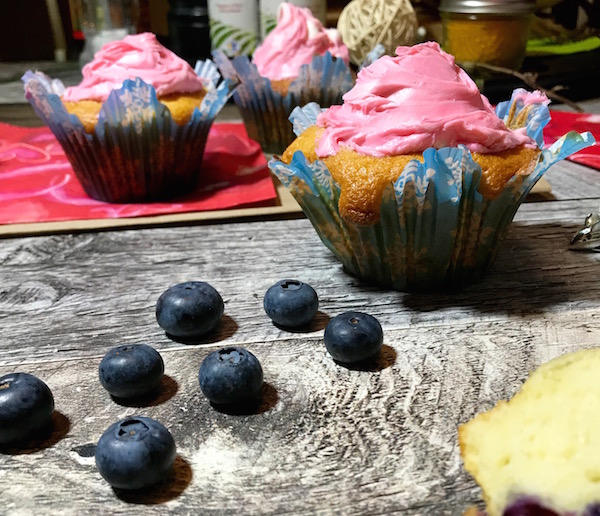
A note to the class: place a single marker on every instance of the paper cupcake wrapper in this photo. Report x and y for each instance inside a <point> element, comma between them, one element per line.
<point>266,112</point>
<point>137,152</point>
<point>436,231</point>
<point>374,54</point>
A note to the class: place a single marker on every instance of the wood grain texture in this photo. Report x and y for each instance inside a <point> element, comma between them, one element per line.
<point>327,439</point>
<point>70,296</point>
<point>573,181</point>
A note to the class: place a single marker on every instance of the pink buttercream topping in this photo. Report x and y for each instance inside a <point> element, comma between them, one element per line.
<point>138,55</point>
<point>405,104</point>
<point>530,97</point>
<point>296,39</point>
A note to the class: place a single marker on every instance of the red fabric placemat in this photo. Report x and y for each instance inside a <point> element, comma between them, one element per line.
<point>562,122</point>
<point>37,183</point>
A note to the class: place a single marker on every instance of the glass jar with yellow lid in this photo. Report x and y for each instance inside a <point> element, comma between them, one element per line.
<point>487,31</point>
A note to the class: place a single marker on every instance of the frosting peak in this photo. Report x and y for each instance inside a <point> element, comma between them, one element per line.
<point>138,55</point>
<point>296,39</point>
<point>416,100</point>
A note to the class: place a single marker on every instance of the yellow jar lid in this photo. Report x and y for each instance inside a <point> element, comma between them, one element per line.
<point>504,7</point>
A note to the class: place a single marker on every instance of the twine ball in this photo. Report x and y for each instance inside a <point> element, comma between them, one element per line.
<point>365,23</point>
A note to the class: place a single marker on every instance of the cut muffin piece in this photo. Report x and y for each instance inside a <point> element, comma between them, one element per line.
<point>540,450</point>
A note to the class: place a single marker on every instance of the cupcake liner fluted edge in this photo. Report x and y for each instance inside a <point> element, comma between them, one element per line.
<point>266,112</point>
<point>436,231</point>
<point>137,152</point>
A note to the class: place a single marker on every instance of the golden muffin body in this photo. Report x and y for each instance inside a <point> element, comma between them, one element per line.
<point>181,106</point>
<point>281,86</point>
<point>363,178</point>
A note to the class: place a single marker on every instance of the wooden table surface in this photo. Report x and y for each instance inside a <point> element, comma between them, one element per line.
<point>326,438</point>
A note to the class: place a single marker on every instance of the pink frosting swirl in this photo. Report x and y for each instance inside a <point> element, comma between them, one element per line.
<point>296,39</point>
<point>405,104</point>
<point>530,97</point>
<point>138,55</point>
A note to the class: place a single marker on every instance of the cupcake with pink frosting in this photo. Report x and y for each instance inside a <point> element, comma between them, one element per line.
<point>300,61</point>
<point>136,126</point>
<point>413,181</point>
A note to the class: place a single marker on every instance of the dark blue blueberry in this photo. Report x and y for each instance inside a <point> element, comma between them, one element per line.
<point>135,452</point>
<point>231,375</point>
<point>291,303</point>
<point>189,310</point>
<point>131,370</point>
<point>592,510</point>
<point>353,336</point>
<point>26,406</point>
<point>528,506</point>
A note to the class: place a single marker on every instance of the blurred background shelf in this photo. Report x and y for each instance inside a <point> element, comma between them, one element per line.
<point>578,76</point>
<point>26,42</point>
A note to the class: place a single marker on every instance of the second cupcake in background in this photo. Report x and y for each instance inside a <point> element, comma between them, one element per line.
<point>136,127</point>
<point>299,62</point>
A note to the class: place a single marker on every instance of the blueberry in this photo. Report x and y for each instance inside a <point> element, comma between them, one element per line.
<point>131,370</point>
<point>231,375</point>
<point>135,452</point>
<point>592,510</point>
<point>26,406</point>
<point>291,303</point>
<point>353,336</point>
<point>189,310</point>
<point>527,506</point>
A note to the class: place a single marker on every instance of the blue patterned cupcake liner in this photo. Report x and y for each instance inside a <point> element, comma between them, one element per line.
<point>266,112</point>
<point>374,54</point>
<point>137,152</point>
<point>436,231</point>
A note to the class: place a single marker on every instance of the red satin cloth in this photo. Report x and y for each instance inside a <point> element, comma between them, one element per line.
<point>563,122</point>
<point>37,183</point>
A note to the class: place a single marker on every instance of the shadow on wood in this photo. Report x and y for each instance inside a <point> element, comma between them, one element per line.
<point>543,277</point>
<point>386,358</point>
<point>85,450</point>
<point>168,389</point>
<point>318,323</point>
<point>49,436</point>
<point>169,489</point>
<point>267,401</point>
<point>225,329</point>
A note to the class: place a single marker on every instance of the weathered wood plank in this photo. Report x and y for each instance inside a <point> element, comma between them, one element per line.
<point>573,181</point>
<point>75,295</point>
<point>327,438</point>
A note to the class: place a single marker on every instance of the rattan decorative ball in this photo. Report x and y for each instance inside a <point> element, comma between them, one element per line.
<point>365,23</point>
